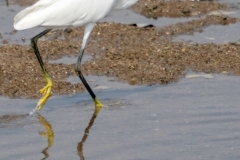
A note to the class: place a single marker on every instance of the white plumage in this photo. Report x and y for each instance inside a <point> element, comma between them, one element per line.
<point>64,13</point>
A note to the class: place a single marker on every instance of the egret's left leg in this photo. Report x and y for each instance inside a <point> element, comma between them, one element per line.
<point>45,91</point>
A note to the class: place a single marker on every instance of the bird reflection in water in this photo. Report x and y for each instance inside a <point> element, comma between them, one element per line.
<point>48,134</point>
<point>86,133</point>
<point>7,3</point>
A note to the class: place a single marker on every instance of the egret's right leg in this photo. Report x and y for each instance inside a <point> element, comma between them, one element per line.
<point>45,91</point>
<point>88,29</point>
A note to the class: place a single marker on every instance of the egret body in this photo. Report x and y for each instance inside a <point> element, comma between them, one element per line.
<point>55,14</point>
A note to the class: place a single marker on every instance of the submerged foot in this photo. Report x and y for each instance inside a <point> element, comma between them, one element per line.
<point>97,103</point>
<point>98,106</point>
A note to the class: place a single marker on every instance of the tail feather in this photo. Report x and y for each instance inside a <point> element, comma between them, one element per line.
<point>29,17</point>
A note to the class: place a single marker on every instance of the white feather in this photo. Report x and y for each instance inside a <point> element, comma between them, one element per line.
<point>62,13</point>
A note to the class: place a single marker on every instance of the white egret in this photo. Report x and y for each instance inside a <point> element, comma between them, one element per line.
<point>55,14</point>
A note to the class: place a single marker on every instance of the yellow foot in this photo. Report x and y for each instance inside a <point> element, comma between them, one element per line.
<point>46,93</point>
<point>98,106</point>
<point>97,103</point>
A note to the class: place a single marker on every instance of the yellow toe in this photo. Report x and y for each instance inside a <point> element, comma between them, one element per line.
<point>98,106</point>
<point>46,93</point>
<point>97,103</point>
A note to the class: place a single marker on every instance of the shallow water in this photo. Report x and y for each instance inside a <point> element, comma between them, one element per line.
<point>217,34</point>
<point>196,118</point>
<point>213,34</point>
<point>70,59</point>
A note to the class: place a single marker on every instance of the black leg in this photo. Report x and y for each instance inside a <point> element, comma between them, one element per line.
<point>80,75</point>
<point>45,91</point>
<point>35,48</point>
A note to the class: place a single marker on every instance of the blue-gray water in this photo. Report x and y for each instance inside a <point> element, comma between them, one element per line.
<point>196,118</point>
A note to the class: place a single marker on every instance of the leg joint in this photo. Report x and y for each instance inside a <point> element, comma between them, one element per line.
<point>76,69</point>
